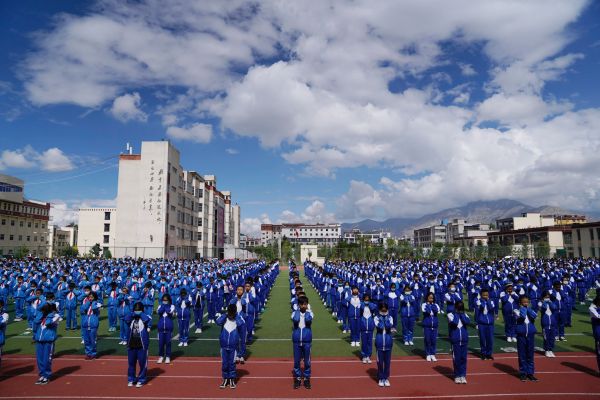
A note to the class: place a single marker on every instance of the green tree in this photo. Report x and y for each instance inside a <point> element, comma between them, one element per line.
<point>95,250</point>
<point>69,251</point>
<point>106,253</point>
<point>21,252</point>
<point>542,250</point>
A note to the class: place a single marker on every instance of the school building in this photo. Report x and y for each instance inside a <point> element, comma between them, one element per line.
<point>586,239</point>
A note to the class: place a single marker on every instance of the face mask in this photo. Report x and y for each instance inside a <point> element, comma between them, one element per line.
<point>384,313</point>
<point>87,293</point>
<point>407,293</point>
<point>166,303</point>
<point>366,301</point>
<point>137,313</point>
<point>453,289</point>
<point>546,300</point>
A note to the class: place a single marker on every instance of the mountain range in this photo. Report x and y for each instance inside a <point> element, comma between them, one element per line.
<point>474,212</point>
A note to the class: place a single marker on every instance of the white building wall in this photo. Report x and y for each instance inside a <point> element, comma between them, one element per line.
<point>91,229</point>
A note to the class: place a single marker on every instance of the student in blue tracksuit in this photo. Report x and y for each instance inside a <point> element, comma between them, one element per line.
<point>3,323</point>
<point>240,300</point>
<point>71,307</point>
<point>183,306</point>
<point>561,299</point>
<point>525,327</point>
<point>148,298</point>
<point>45,336</point>
<point>595,317</point>
<point>407,315</point>
<point>90,312</point>
<point>138,341</point>
<point>367,326</point>
<point>166,312</point>
<point>112,304</point>
<point>124,302</point>
<point>458,321</point>
<point>509,302</point>
<point>229,338</point>
<point>383,343</point>
<point>354,308</point>
<point>302,342</point>
<point>485,310</point>
<point>393,302</point>
<point>547,311</point>
<point>430,325</point>
<point>198,303</point>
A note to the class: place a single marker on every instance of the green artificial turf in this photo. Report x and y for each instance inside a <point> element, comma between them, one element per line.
<point>273,333</point>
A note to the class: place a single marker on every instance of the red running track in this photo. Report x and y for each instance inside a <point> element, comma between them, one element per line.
<point>569,376</point>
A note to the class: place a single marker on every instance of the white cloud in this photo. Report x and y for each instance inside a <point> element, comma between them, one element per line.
<point>51,160</point>
<point>251,226</point>
<point>198,132</point>
<point>316,212</point>
<point>232,151</point>
<point>467,69</point>
<point>127,108</point>
<point>64,212</point>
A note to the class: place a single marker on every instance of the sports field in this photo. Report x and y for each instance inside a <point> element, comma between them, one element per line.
<point>337,371</point>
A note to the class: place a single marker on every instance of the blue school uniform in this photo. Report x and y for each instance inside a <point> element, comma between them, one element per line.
<point>229,340</point>
<point>165,312</point>
<point>548,311</point>
<point>44,338</point>
<point>459,338</point>
<point>354,314</point>
<point>19,294</point>
<point>560,299</point>
<point>90,312</point>
<point>595,317</point>
<point>393,302</point>
<point>3,323</point>
<point>112,305</point>
<point>430,327</point>
<point>138,342</point>
<point>367,327</point>
<point>123,312</point>
<point>509,303</point>
<point>302,342</point>
<point>485,310</point>
<point>198,303</point>
<point>183,306</point>
<point>148,301</point>
<point>525,320</point>
<point>71,310</point>
<point>383,344</point>
<point>407,316</point>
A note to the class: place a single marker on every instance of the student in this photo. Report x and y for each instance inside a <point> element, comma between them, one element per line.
<point>367,326</point>
<point>407,315</point>
<point>595,316</point>
<point>3,323</point>
<point>525,320</point>
<point>485,309</point>
<point>561,300</point>
<point>198,302</point>
<point>137,344</point>
<point>113,303</point>
<point>383,343</point>
<point>509,301</point>
<point>44,337</point>
<point>430,325</point>
<point>302,342</point>
<point>548,311</point>
<point>240,302</point>
<point>71,307</point>
<point>393,302</point>
<point>124,301</point>
<point>354,307</point>
<point>166,312</point>
<point>148,298</point>
<point>183,305</point>
<point>459,338</point>
<point>90,311</point>
<point>250,296</point>
<point>19,291</point>
<point>228,339</point>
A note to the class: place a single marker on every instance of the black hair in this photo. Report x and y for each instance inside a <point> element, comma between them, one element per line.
<point>138,306</point>
<point>167,297</point>
<point>232,309</point>
<point>484,291</point>
<point>460,307</point>
<point>302,300</point>
<point>94,295</point>
<point>383,306</point>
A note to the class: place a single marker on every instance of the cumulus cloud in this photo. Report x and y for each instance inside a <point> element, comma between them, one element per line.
<point>251,226</point>
<point>64,212</point>
<point>313,82</point>
<point>51,160</point>
<point>127,108</point>
<point>232,151</point>
<point>198,132</point>
<point>316,212</point>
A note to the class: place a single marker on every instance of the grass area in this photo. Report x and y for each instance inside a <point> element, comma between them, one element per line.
<point>273,333</point>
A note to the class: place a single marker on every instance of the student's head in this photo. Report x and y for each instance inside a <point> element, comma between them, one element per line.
<point>407,290</point>
<point>38,292</point>
<point>183,293</point>
<point>354,291</point>
<point>239,291</point>
<point>50,298</point>
<point>452,287</point>
<point>460,307</point>
<point>509,288</point>
<point>248,287</point>
<point>303,303</point>
<point>166,299</point>
<point>124,290</point>
<point>113,285</point>
<point>383,308</point>
<point>138,308</point>
<point>45,309</point>
<point>430,298</point>
<point>556,285</point>
<point>485,294</point>
<point>367,298</point>
<point>546,295</point>
<point>524,301</point>
<point>87,290</point>
<point>93,296</point>
<point>393,287</point>
<point>231,311</point>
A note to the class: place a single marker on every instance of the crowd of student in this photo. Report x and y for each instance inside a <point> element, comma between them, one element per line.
<point>46,292</point>
<point>370,298</point>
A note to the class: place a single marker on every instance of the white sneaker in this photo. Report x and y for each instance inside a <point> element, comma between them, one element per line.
<point>457,380</point>
<point>168,360</point>
<point>369,360</point>
<point>381,383</point>
<point>411,343</point>
<point>552,354</point>
<point>547,354</point>
<point>428,358</point>
<point>130,384</point>
<point>180,344</point>
<point>139,385</point>
<point>83,342</point>
<point>406,343</point>
<point>160,360</point>
<point>364,360</point>
<point>463,380</point>
<point>197,331</point>
<point>433,358</point>
<point>185,344</point>
<point>387,383</point>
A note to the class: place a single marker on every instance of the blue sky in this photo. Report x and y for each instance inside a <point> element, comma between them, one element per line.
<point>308,112</point>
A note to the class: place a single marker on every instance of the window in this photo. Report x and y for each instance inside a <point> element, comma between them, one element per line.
<point>593,252</point>
<point>29,224</point>
<point>22,224</point>
<point>43,226</point>
<point>3,222</point>
<point>579,238</point>
<point>1,236</point>
<point>11,237</point>
<point>106,227</point>
<point>591,234</point>
<point>107,215</point>
<point>105,239</point>
<point>12,222</point>
<point>20,238</point>
<point>35,225</point>
<point>598,233</point>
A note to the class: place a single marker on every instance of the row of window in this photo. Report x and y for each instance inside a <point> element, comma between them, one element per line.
<point>19,238</point>
<point>13,222</point>
<point>24,209</point>
<point>591,232</point>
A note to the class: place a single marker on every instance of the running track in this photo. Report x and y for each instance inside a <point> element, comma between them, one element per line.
<point>569,376</point>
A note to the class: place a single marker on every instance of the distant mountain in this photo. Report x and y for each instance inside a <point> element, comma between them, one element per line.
<point>474,212</point>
